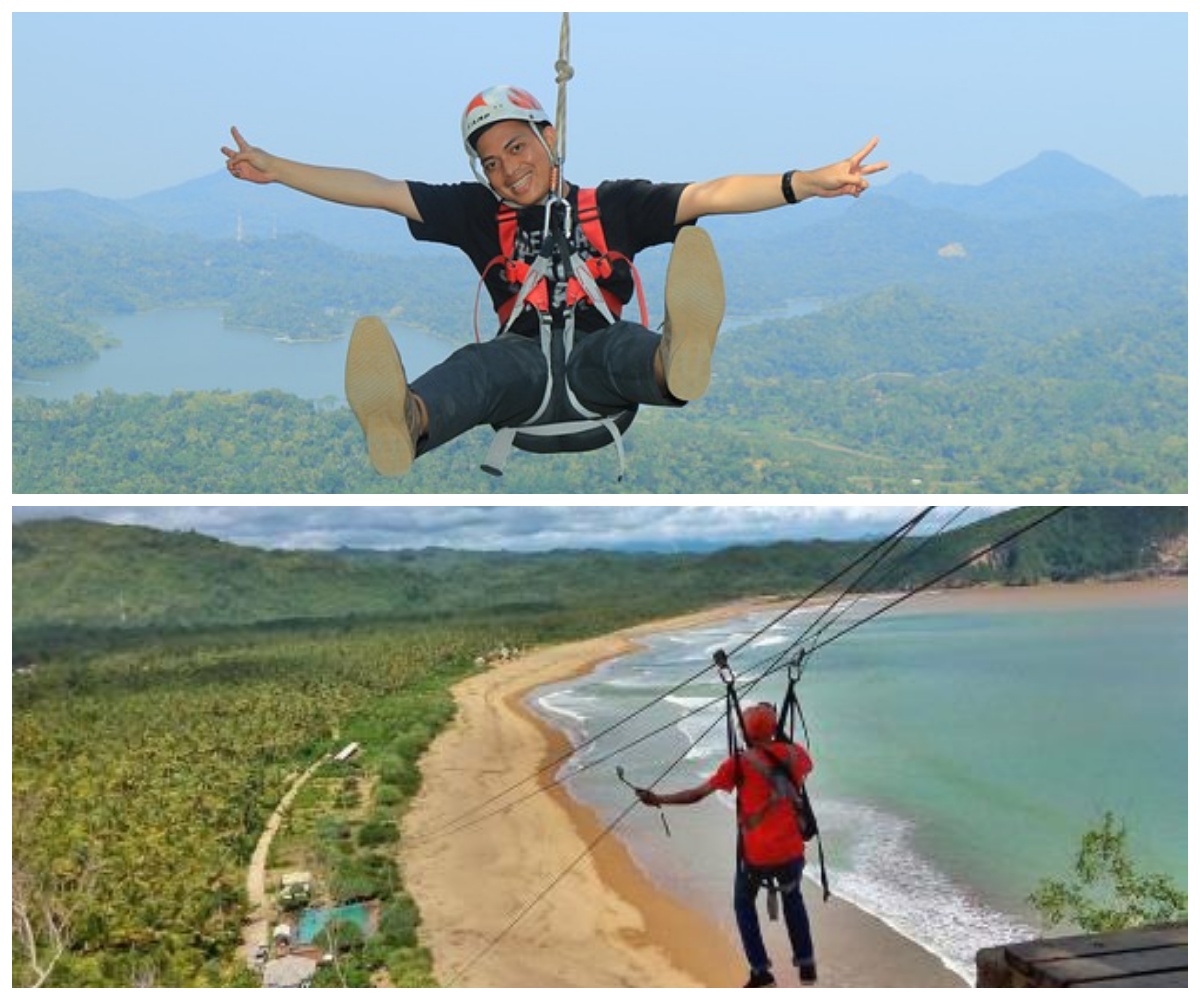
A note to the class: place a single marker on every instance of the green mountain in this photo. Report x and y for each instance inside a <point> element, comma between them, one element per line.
<point>1024,336</point>
<point>172,687</point>
<point>75,575</point>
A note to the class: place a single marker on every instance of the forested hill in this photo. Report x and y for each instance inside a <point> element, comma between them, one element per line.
<point>74,576</point>
<point>1024,336</point>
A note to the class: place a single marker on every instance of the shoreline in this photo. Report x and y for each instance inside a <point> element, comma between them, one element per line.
<point>497,912</point>
<point>521,900</point>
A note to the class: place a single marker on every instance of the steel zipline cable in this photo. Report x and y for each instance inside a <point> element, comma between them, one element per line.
<point>752,676</point>
<point>779,662</point>
<point>469,817</point>
<point>476,814</point>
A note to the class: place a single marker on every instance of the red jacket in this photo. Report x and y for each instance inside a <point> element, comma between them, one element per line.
<point>767,821</point>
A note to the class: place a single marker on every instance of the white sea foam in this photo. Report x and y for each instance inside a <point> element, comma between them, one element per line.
<point>771,640</point>
<point>688,702</point>
<point>568,703</point>
<point>642,680</point>
<point>951,883</point>
<point>700,726</point>
<point>568,710</point>
<point>881,872</point>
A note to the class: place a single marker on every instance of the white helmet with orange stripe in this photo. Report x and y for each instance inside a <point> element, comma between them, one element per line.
<point>501,103</point>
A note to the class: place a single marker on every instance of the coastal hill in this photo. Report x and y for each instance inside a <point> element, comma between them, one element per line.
<point>169,687</point>
<point>955,325</point>
<point>192,243</point>
<point>75,574</point>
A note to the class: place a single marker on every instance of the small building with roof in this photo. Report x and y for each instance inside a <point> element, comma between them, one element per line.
<point>289,972</point>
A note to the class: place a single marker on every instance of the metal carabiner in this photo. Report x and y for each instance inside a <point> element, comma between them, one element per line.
<point>724,670</point>
<point>796,666</point>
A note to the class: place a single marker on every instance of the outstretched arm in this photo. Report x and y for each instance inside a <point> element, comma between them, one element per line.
<point>684,798</point>
<point>347,187</point>
<point>744,193</point>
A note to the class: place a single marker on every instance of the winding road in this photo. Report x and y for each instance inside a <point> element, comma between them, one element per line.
<point>257,929</point>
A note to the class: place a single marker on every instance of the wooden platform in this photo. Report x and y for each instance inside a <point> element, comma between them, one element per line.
<point>1147,956</point>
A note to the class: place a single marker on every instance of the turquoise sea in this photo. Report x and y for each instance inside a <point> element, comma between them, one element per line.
<point>963,744</point>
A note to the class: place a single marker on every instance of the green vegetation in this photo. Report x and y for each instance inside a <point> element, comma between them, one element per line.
<point>1106,893</point>
<point>294,285</point>
<point>170,688</point>
<point>130,585</point>
<point>44,334</point>
<point>1052,358</point>
<point>884,435</point>
<point>142,779</point>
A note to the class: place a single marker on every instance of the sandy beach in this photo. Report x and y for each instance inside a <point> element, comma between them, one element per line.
<point>499,912</point>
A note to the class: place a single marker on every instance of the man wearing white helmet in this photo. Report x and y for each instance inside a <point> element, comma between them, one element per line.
<point>611,365</point>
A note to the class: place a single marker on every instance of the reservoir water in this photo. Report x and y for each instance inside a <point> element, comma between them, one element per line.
<point>193,350</point>
<point>962,748</point>
<point>166,350</point>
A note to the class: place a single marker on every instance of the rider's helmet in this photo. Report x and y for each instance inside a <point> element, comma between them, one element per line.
<point>760,722</point>
<point>501,103</point>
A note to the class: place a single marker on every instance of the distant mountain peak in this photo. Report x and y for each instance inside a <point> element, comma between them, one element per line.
<point>1061,169</point>
<point>1052,182</point>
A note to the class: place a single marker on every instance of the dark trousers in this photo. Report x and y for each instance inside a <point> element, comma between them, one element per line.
<point>501,382</point>
<point>745,898</point>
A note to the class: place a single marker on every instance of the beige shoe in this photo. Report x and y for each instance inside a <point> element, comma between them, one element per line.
<point>695,295</point>
<point>377,390</point>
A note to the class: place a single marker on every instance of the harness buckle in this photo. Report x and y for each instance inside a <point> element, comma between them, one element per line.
<point>773,901</point>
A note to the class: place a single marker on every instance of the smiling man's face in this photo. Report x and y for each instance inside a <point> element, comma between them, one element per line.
<point>515,163</point>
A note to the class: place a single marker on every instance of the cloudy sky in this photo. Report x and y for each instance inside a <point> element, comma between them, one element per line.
<point>515,528</point>
<point>120,104</point>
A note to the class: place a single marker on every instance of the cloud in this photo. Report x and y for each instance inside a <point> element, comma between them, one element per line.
<point>511,528</point>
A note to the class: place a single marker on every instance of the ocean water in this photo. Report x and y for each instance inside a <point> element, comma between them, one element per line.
<point>962,749</point>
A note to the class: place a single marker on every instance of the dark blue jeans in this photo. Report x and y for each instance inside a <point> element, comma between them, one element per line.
<point>745,898</point>
<point>502,381</point>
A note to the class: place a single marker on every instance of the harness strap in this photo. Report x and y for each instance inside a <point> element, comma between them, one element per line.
<point>789,712</point>
<point>504,441</point>
<point>506,437</point>
<point>788,715</point>
<point>583,273</point>
<point>756,818</point>
<point>535,279</point>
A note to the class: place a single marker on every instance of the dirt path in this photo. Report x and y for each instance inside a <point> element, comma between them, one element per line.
<point>257,929</point>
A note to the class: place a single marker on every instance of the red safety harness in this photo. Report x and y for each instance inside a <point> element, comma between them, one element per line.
<point>776,772</point>
<point>534,280</point>
<point>599,266</point>
<point>772,768</point>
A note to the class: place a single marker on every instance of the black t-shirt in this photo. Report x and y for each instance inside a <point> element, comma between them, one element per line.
<point>634,214</point>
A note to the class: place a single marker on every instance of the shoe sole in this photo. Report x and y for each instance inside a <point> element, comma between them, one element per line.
<point>695,293</point>
<point>377,390</point>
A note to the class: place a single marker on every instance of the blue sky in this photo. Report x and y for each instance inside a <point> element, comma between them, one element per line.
<point>517,528</point>
<point>119,105</point>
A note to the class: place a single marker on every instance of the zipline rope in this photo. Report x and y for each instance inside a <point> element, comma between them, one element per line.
<point>816,629</point>
<point>974,556</point>
<point>831,610</point>
<point>776,663</point>
<point>1053,512</point>
<point>462,820</point>
<point>563,72</point>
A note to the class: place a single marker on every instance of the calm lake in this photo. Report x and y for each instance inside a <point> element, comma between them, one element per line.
<point>193,350</point>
